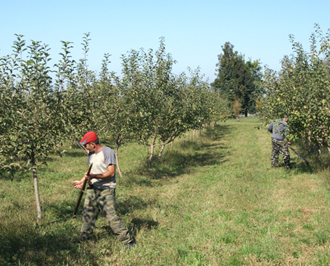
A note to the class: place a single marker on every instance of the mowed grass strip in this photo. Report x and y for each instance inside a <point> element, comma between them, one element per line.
<point>212,200</point>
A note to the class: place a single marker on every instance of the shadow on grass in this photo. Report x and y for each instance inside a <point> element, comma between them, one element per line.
<point>204,151</point>
<point>315,165</point>
<point>218,132</point>
<point>123,207</point>
<point>33,247</point>
<point>136,225</point>
<point>300,167</point>
<point>64,209</point>
<point>175,163</point>
<point>144,223</point>
<point>132,203</point>
<point>53,244</point>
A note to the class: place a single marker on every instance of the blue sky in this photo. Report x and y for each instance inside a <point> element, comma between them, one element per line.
<point>194,31</point>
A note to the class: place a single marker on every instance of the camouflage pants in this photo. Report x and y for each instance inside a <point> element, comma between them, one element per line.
<point>104,200</point>
<point>280,146</point>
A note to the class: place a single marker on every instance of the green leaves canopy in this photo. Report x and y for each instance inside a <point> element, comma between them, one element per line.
<point>237,79</point>
<point>302,90</point>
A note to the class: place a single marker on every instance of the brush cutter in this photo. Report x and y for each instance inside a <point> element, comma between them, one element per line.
<point>307,163</point>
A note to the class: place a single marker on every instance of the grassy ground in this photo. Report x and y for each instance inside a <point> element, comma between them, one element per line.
<point>213,200</point>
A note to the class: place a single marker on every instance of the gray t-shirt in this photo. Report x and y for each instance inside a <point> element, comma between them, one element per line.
<point>101,160</point>
<point>279,129</point>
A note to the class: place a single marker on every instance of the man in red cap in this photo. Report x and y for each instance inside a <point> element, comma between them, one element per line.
<point>101,190</point>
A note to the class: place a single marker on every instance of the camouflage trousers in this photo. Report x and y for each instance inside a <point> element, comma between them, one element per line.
<point>104,200</point>
<point>280,146</point>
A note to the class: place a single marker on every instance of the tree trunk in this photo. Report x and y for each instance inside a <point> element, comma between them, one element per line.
<point>117,161</point>
<point>320,152</point>
<point>152,145</point>
<point>36,188</point>
<point>309,143</point>
<point>161,151</point>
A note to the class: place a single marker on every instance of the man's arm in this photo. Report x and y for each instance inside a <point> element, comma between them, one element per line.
<point>111,172</point>
<point>105,175</point>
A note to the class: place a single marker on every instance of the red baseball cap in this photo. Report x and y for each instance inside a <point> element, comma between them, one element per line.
<point>89,137</point>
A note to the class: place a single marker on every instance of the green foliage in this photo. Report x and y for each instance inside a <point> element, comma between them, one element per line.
<point>302,90</point>
<point>148,100</point>
<point>238,79</point>
<point>160,106</point>
<point>73,85</point>
<point>220,107</point>
<point>199,102</point>
<point>40,112</point>
<point>237,108</point>
<point>30,124</point>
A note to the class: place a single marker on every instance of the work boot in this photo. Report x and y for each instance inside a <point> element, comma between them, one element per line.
<point>129,245</point>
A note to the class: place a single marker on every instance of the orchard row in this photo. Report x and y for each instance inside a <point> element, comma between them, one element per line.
<point>43,106</point>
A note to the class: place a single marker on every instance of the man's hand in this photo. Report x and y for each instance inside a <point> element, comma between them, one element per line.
<point>87,176</point>
<point>289,143</point>
<point>78,184</point>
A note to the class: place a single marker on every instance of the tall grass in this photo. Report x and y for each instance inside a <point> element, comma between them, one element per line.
<point>213,200</point>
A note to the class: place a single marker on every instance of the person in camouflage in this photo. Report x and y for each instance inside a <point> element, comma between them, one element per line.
<point>101,190</point>
<point>279,129</point>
